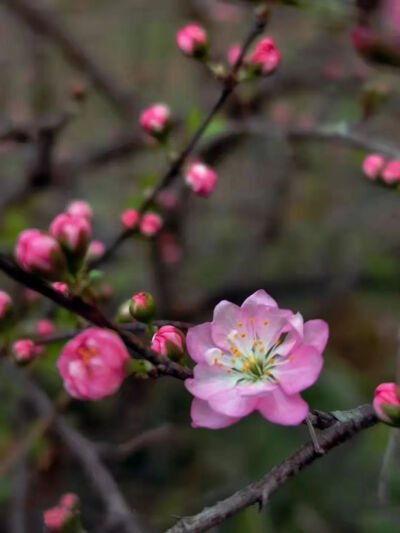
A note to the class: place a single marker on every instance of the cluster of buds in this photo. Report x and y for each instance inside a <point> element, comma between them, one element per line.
<point>376,168</point>
<point>148,225</point>
<point>64,516</point>
<point>387,403</point>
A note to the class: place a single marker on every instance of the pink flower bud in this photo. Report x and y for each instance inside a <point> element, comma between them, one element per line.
<point>44,328</point>
<point>56,518</point>
<point>142,306</point>
<point>60,287</point>
<point>92,364</point>
<point>69,501</point>
<point>201,179</point>
<point>80,208</point>
<point>372,165</point>
<point>40,253</point>
<point>150,224</point>
<point>96,249</point>
<point>155,120</point>
<point>234,53</point>
<point>266,57</point>
<point>24,350</point>
<point>391,172</point>
<point>171,252</point>
<point>167,199</point>
<point>5,305</point>
<point>130,218</point>
<point>73,232</point>
<point>192,40</point>
<point>170,342</point>
<point>387,403</point>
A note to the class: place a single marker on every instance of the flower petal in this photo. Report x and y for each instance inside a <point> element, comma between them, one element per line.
<point>205,417</point>
<point>260,297</point>
<point>208,381</point>
<point>279,408</point>
<point>231,403</point>
<point>225,320</point>
<point>198,341</point>
<point>255,389</point>
<point>300,370</point>
<point>316,333</point>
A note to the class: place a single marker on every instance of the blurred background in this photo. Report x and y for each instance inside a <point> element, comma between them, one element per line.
<point>292,214</point>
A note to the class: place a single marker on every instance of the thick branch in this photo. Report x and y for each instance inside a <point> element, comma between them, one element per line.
<point>259,492</point>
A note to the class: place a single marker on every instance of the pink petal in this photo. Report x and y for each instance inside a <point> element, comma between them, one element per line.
<point>316,333</point>
<point>301,370</point>
<point>260,297</point>
<point>209,381</point>
<point>205,417</point>
<point>255,389</point>
<point>279,408</point>
<point>294,335</point>
<point>198,341</point>
<point>231,403</point>
<point>225,320</point>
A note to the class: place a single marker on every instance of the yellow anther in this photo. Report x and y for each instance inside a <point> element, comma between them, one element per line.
<point>272,361</point>
<point>243,335</point>
<point>266,372</point>
<point>232,360</point>
<point>240,324</point>
<point>290,357</point>
<point>261,350</point>
<point>215,360</point>
<point>265,322</point>
<point>246,366</point>
<point>228,371</point>
<point>252,320</point>
<point>252,360</point>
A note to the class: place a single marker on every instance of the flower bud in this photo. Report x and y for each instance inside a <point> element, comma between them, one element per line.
<point>372,165</point>
<point>96,249</point>
<point>123,313</point>
<point>56,518</point>
<point>5,305</point>
<point>167,200</point>
<point>25,350</point>
<point>201,179</point>
<point>44,328</point>
<point>391,172</point>
<point>387,403</point>
<point>80,208</point>
<point>170,342</point>
<point>69,501</point>
<point>73,233</point>
<point>40,253</point>
<point>266,57</point>
<point>192,41</point>
<point>60,287</point>
<point>142,307</point>
<point>150,224</point>
<point>130,218</point>
<point>234,54</point>
<point>155,120</point>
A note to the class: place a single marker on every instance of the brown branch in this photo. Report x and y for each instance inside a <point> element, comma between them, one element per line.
<point>46,24</point>
<point>260,491</point>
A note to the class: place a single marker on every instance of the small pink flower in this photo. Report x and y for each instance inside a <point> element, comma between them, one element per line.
<point>60,287</point>
<point>24,350</point>
<point>155,120</point>
<point>192,40</point>
<point>73,232</point>
<point>266,56</point>
<point>372,165</point>
<point>92,364</point>
<point>234,53</point>
<point>130,218</point>
<point>142,306</point>
<point>80,208</point>
<point>56,518</point>
<point>44,328</point>
<point>169,341</point>
<point>5,305</point>
<point>391,172</point>
<point>387,403</point>
<point>96,249</point>
<point>40,253</point>
<point>150,224</point>
<point>256,357</point>
<point>201,179</point>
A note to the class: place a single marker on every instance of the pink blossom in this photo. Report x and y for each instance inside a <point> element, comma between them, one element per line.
<point>256,357</point>
<point>169,341</point>
<point>69,501</point>
<point>167,199</point>
<point>192,40</point>
<point>150,224</point>
<point>73,232</point>
<point>60,287</point>
<point>56,518</point>
<point>96,249</point>
<point>5,305</point>
<point>130,218</point>
<point>387,403</point>
<point>92,364</point>
<point>372,165</point>
<point>24,350</point>
<point>391,172</point>
<point>155,119</point>
<point>142,306</point>
<point>201,179</point>
<point>234,53</point>
<point>266,56</point>
<point>44,328</point>
<point>80,208</point>
<point>40,253</point>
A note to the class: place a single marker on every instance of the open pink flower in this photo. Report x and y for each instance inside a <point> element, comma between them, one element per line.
<point>372,165</point>
<point>5,305</point>
<point>266,56</point>
<point>72,232</point>
<point>387,403</point>
<point>92,364</point>
<point>130,218</point>
<point>192,40</point>
<point>256,357</point>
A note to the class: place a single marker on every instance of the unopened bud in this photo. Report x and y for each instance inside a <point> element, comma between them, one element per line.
<point>142,307</point>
